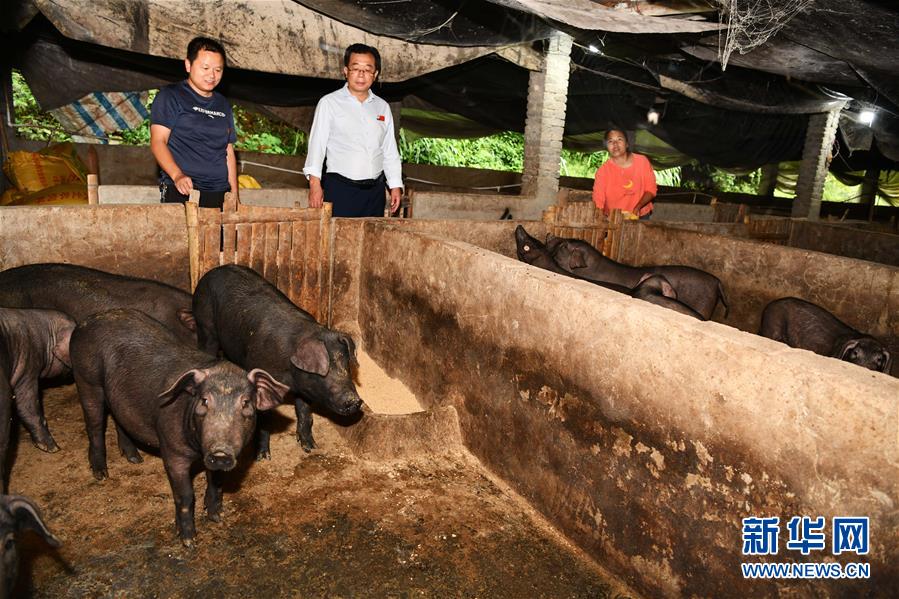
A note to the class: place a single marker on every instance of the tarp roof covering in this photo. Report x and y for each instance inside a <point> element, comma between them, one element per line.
<point>471,59</point>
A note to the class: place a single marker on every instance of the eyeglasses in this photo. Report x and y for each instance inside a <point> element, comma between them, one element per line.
<point>363,72</point>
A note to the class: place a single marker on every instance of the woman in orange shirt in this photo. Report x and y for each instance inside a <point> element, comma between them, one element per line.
<point>626,180</point>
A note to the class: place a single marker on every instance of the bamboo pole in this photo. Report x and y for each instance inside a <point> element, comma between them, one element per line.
<point>193,243</point>
<point>93,193</point>
<point>230,202</point>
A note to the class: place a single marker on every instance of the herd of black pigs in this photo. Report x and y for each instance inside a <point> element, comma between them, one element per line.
<point>193,376</point>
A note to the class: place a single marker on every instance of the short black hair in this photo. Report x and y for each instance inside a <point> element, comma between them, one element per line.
<point>204,43</point>
<point>613,127</point>
<point>362,49</point>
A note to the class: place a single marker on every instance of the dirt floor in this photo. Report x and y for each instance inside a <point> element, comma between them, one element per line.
<point>324,524</point>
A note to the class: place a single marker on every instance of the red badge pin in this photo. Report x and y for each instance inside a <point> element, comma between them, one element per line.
<point>380,117</point>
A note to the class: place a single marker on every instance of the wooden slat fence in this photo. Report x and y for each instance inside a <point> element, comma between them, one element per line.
<point>289,247</point>
<point>772,230</point>
<point>582,220</point>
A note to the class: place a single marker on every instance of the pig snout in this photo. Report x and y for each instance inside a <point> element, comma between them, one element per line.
<point>220,459</point>
<point>348,404</point>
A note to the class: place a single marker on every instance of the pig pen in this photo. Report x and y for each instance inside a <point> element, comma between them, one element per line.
<point>394,506</point>
<point>862,293</point>
<point>569,437</point>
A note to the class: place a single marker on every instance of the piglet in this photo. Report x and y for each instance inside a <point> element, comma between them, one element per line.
<point>656,289</point>
<point>651,288</point>
<point>167,395</point>
<point>257,326</point>
<point>696,288</point>
<point>532,251</point>
<point>34,344</point>
<point>17,514</point>
<point>804,325</point>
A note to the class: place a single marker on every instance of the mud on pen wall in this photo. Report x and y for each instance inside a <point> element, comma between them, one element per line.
<point>643,435</point>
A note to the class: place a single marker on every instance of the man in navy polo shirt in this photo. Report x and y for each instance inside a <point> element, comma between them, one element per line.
<point>192,132</point>
<point>353,129</point>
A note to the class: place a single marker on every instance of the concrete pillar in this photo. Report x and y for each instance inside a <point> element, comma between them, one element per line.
<point>545,124</point>
<point>819,136</point>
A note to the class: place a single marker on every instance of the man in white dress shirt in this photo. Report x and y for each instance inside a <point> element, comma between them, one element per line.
<point>353,130</point>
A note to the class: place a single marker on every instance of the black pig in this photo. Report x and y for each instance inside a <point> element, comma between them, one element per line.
<point>80,291</point>
<point>804,325</point>
<point>534,252</point>
<point>17,513</point>
<point>34,344</point>
<point>257,326</point>
<point>656,289</point>
<point>696,288</point>
<point>167,395</point>
<point>651,288</point>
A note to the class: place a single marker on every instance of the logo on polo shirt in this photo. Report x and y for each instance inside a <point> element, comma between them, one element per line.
<point>210,113</point>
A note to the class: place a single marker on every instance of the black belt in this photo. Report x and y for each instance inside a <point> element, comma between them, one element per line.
<point>361,183</point>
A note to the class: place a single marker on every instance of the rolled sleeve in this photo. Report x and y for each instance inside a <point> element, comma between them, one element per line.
<point>318,140</point>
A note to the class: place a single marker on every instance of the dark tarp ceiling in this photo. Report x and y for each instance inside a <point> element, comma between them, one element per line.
<point>748,115</point>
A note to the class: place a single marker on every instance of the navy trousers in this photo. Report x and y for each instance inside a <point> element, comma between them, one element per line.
<point>354,198</point>
<point>208,199</point>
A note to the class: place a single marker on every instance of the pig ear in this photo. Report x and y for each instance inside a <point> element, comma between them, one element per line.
<point>847,347</point>
<point>887,362</point>
<point>269,392</point>
<point>311,355</point>
<point>576,259</point>
<point>27,516</point>
<point>187,319</point>
<point>61,349</point>
<point>189,381</point>
<point>350,346</point>
<point>668,289</point>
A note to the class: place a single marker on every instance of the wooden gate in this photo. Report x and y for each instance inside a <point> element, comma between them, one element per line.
<point>582,220</point>
<point>289,247</point>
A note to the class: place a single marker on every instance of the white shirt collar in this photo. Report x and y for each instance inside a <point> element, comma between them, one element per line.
<point>346,91</point>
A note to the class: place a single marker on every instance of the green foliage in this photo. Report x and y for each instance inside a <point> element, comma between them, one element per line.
<point>502,152</point>
<point>32,122</point>
<point>670,177</point>
<point>581,164</point>
<point>705,177</point>
<point>258,133</point>
<point>737,183</point>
